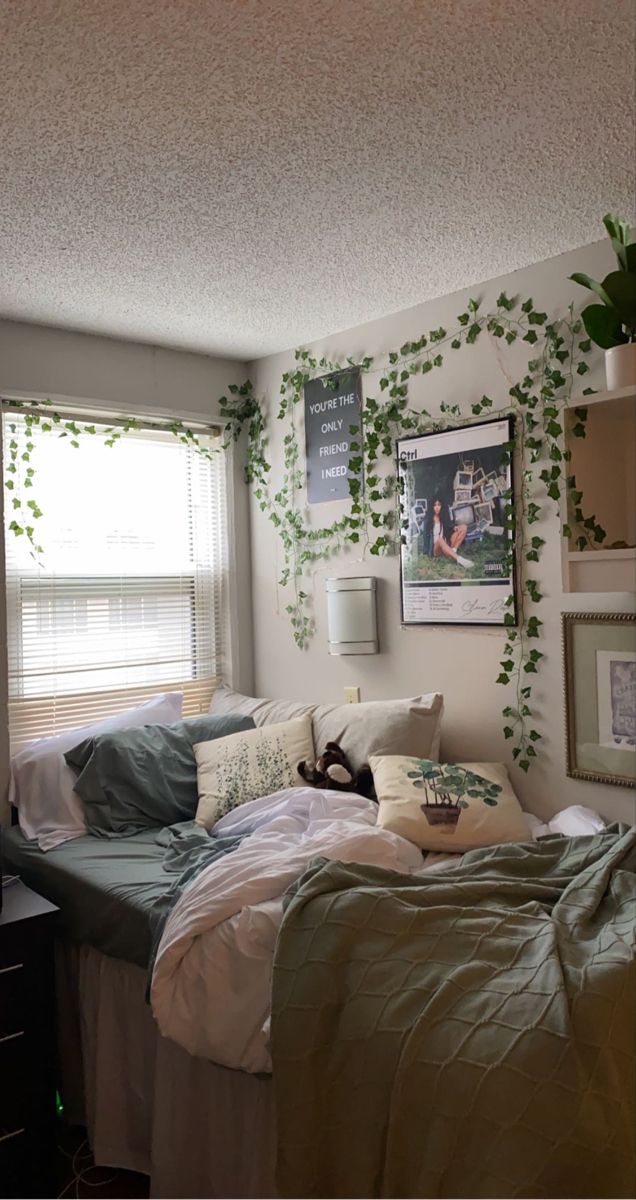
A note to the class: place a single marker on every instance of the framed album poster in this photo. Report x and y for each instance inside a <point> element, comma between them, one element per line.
<point>599,667</point>
<point>457,559</point>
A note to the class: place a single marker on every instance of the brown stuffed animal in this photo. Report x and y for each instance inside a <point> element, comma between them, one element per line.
<point>333,770</point>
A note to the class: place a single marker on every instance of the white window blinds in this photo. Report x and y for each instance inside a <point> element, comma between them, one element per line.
<point>126,599</point>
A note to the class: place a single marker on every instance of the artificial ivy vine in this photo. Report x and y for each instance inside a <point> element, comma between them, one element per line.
<point>19,469</point>
<point>373,522</point>
<point>539,401</point>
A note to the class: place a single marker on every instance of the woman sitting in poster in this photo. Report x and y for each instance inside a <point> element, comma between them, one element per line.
<point>440,536</point>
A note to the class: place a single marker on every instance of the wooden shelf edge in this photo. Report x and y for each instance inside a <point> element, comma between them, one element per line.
<point>581,401</point>
<point>628,555</point>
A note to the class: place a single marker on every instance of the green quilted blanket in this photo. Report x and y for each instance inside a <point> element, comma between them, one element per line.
<point>462,1034</point>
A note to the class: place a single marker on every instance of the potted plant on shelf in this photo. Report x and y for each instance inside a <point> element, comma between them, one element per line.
<point>612,324</point>
<point>446,788</point>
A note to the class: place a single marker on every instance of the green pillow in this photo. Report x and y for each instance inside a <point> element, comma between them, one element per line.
<point>142,778</point>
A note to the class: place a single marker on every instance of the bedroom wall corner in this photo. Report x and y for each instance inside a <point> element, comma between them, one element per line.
<point>460,662</point>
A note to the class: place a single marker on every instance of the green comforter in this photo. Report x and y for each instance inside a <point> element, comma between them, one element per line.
<point>463,1034</point>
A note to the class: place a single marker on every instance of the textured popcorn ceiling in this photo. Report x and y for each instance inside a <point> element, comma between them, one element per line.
<point>240,176</point>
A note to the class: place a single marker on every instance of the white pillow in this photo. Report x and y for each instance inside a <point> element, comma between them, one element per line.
<point>406,726</point>
<point>574,821</point>
<point>244,766</point>
<point>41,785</point>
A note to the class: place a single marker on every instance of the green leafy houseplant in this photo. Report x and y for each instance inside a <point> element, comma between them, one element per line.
<point>613,322</point>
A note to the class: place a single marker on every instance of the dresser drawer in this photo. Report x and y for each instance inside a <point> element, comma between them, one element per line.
<point>27,1045</point>
<point>16,1092</point>
<point>16,1153</point>
<point>14,946</point>
<point>13,982</point>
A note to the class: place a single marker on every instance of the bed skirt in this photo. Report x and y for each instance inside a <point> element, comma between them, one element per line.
<point>197,1129</point>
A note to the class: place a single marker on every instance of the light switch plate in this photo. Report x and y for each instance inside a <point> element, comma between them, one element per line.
<point>352,695</point>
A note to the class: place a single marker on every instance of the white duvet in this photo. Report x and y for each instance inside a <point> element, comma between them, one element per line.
<point>211,984</point>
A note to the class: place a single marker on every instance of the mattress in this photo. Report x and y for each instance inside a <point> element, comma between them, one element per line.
<point>112,894</point>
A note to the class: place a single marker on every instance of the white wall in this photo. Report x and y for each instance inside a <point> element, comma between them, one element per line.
<point>129,377</point>
<point>462,663</point>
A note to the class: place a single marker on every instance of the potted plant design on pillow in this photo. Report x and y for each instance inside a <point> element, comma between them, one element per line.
<point>449,789</point>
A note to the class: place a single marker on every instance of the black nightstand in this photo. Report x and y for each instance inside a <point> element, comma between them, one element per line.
<point>27,1044</point>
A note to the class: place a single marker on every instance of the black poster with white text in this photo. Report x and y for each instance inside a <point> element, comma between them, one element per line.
<point>332,409</point>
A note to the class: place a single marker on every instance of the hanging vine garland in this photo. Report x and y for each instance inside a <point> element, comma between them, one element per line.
<point>373,522</point>
<point>539,402</point>
<point>20,473</point>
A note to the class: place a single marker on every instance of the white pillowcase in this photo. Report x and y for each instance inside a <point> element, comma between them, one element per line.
<point>41,785</point>
<point>575,821</point>
<point>407,726</point>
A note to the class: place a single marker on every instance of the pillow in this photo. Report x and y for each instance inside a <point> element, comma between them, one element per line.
<point>143,778</point>
<point>248,765</point>
<point>411,726</point>
<point>263,712</point>
<point>447,806</point>
<point>42,783</point>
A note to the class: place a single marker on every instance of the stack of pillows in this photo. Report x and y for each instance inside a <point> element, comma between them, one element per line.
<point>147,768</point>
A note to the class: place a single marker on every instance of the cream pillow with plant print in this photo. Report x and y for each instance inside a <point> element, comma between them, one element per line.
<point>447,806</point>
<point>245,766</point>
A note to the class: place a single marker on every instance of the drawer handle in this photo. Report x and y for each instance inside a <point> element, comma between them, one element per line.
<point>8,1037</point>
<point>15,967</point>
<point>14,1133</point>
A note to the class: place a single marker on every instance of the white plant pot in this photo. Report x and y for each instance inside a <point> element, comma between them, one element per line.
<point>620,366</point>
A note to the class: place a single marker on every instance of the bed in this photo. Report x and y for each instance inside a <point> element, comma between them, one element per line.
<point>173,941</point>
<point>197,1129</point>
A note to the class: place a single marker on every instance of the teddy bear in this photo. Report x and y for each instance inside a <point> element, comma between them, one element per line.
<point>333,770</point>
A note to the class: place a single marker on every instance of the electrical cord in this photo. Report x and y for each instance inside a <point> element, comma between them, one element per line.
<point>80,1171</point>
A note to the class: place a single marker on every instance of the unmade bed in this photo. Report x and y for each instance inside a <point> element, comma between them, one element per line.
<point>242,975</point>
<point>109,893</point>
<point>148,1105</point>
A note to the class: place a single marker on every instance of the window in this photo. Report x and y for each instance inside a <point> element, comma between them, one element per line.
<point>126,598</point>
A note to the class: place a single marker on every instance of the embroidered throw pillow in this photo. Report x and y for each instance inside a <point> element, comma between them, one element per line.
<point>447,806</point>
<point>245,766</point>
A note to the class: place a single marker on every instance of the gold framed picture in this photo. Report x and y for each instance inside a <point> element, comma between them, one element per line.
<point>599,665</point>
